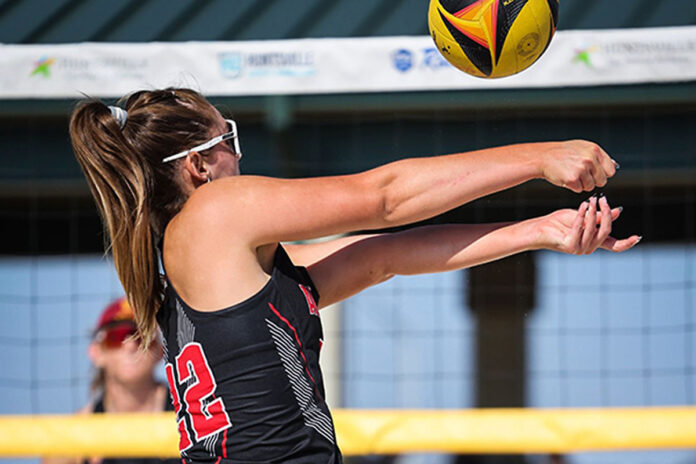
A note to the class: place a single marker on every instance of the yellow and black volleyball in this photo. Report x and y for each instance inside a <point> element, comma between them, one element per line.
<point>492,38</point>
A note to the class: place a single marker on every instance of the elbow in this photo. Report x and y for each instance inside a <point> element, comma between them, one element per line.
<point>378,277</point>
<point>382,266</point>
<point>376,260</point>
<point>390,209</point>
<point>385,277</point>
<point>385,200</point>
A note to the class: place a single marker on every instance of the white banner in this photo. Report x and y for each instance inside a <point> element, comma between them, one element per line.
<point>318,66</point>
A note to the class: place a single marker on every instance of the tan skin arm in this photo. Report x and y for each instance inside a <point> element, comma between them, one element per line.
<point>369,260</point>
<point>398,193</point>
<point>236,222</point>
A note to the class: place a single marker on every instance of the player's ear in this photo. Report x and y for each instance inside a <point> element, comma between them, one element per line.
<point>95,354</point>
<point>196,167</point>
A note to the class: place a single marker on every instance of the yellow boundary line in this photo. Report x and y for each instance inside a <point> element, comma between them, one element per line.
<point>377,432</point>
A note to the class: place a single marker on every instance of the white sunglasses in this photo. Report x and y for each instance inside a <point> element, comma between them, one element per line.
<point>231,137</point>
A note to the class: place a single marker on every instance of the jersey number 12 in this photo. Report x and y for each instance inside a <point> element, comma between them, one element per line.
<point>206,417</point>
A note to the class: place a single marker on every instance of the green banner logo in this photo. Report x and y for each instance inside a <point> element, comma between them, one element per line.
<point>585,56</point>
<point>43,67</point>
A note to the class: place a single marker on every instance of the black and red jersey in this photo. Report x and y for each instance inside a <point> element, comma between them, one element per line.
<point>245,380</point>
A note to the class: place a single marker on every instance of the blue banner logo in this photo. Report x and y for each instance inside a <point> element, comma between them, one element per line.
<point>402,59</point>
<point>230,64</point>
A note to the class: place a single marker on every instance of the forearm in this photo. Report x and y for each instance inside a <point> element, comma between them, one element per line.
<point>430,249</point>
<point>440,248</point>
<point>416,189</point>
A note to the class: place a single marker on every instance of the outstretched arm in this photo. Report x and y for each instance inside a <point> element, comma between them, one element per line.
<point>424,187</point>
<point>398,193</point>
<point>428,249</point>
<point>234,221</point>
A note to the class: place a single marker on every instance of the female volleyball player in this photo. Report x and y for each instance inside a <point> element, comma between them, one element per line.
<point>125,376</point>
<point>239,312</point>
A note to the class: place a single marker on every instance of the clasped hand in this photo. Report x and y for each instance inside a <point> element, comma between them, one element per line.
<point>577,165</point>
<point>582,231</point>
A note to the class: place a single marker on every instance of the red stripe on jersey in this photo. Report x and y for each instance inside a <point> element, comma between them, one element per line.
<point>313,308</point>
<point>297,337</point>
<point>224,444</point>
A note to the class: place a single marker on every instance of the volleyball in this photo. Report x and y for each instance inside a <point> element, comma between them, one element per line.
<point>492,38</point>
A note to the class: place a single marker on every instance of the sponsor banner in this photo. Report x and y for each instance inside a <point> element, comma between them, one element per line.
<point>315,66</point>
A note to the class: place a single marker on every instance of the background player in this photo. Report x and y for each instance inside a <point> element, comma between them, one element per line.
<point>124,380</point>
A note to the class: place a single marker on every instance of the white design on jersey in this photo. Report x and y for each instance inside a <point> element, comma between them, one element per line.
<point>314,417</point>
<point>165,349</point>
<point>185,331</point>
<point>209,443</point>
